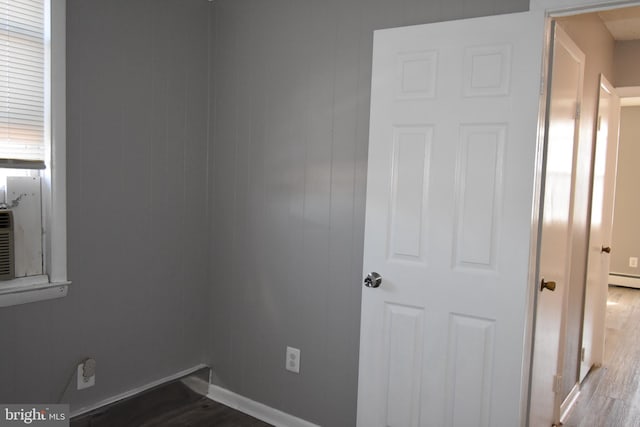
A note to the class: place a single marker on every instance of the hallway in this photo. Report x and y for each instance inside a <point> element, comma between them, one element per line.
<point>611,395</point>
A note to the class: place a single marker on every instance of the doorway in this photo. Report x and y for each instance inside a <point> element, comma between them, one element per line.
<point>624,269</point>
<point>608,38</point>
<point>438,258</point>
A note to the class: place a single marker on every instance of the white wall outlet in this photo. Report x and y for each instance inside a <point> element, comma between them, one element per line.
<point>86,373</point>
<point>293,360</point>
<point>633,262</point>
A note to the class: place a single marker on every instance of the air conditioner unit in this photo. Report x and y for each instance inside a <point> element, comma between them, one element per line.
<point>7,271</point>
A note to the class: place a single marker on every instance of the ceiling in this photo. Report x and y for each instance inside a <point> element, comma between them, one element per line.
<point>623,23</point>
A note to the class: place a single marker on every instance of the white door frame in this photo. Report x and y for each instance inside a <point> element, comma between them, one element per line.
<point>552,9</point>
<point>626,92</point>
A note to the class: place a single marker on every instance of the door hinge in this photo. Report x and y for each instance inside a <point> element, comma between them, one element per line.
<point>577,111</point>
<point>582,353</point>
<point>599,122</point>
<point>557,383</point>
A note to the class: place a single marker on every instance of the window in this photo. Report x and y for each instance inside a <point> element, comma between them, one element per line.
<point>22,84</point>
<point>32,138</point>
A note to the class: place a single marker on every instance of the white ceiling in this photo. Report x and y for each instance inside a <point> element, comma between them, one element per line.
<point>623,24</point>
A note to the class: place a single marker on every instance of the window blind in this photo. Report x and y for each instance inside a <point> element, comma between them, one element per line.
<point>22,88</point>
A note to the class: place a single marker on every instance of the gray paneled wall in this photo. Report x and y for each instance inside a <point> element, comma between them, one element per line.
<point>290,111</point>
<point>137,212</point>
<point>266,215</point>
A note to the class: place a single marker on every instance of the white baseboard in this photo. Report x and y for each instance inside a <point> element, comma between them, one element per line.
<point>630,282</point>
<point>137,390</point>
<point>196,384</point>
<point>255,409</point>
<point>569,403</point>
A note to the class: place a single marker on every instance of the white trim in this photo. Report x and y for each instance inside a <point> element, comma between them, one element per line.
<point>628,91</point>
<point>22,284</point>
<point>569,403</point>
<point>32,293</point>
<point>30,289</point>
<point>196,384</point>
<point>255,409</point>
<point>633,101</point>
<point>536,230</point>
<point>559,8</point>
<point>629,96</point>
<point>56,242</point>
<point>54,193</point>
<point>136,390</point>
<point>630,282</point>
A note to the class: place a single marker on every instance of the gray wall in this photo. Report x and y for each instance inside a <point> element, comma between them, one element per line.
<point>266,215</point>
<point>289,150</point>
<point>626,232</point>
<point>137,207</point>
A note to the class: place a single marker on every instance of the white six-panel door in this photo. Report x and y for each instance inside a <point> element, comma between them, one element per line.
<point>452,153</point>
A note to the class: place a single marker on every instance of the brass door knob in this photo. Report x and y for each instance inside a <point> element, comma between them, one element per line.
<point>606,249</point>
<point>547,285</point>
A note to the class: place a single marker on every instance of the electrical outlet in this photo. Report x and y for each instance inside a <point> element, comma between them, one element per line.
<point>86,373</point>
<point>633,262</point>
<point>293,360</point>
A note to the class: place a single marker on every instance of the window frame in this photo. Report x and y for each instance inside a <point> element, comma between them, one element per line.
<point>54,283</point>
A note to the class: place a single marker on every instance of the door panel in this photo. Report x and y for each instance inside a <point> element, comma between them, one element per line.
<point>479,194</point>
<point>452,149</point>
<point>555,240</point>
<point>411,154</point>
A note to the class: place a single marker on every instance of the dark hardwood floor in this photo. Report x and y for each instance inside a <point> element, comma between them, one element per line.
<point>610,395</point>
<point>171,405</point>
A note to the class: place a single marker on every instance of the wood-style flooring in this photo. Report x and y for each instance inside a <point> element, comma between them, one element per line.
<point>171,405</point>
<point>610,395</point>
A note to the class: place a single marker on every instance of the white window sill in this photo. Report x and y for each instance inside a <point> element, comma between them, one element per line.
<point>31,289</point>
